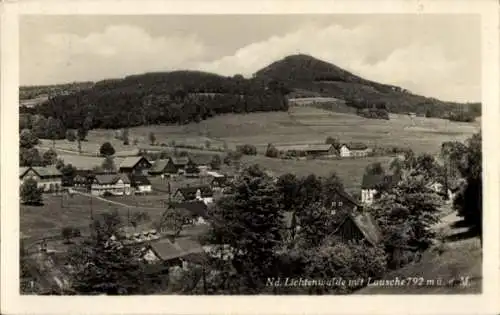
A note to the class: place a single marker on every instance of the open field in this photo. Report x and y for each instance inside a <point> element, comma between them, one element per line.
<point>350,171</point>
<point>49,219</point>
<point>301,124</point>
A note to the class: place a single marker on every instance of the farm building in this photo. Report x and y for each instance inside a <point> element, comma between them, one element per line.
<point>372,183</point>
<point>180,252</point>
<point>159,167</point>
<point>202,161</point>
<point>49,179</point>
<point>83,179</point>
<point>197,210</point>
<point>140,183</point>
<point>201,192</point>
<point>115,184</point>
<point>339,204</point>
<point>358,226</point>
<point>354,150</point>
<point>299,150</point>
<point>135,165</point>
<point>176,165</point>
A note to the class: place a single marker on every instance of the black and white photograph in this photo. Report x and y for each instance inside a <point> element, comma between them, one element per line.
<point>275,154</point>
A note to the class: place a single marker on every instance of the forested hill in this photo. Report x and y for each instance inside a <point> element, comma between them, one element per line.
<point>307,76</point>
<point>163,97</point>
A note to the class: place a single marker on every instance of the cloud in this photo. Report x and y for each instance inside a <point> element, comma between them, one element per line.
<point>421,56</point>
<point>117,51</point>
<point>422,66</point>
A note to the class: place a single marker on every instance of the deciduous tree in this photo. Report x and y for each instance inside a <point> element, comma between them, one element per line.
<point>30,193</point>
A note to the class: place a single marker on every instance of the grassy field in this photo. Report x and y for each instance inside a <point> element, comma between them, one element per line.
<point>49,219</point>
<point>301,124</point>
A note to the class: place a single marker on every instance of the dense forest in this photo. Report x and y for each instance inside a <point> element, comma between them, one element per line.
<point>34,91</point>
<point>180,97</point>
<point>308,76</point>
<point>176,97</point>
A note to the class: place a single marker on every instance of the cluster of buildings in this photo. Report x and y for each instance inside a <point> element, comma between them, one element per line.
<point>346,150</point>
<point>132,177</point>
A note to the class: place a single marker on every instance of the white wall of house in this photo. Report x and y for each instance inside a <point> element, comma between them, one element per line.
<point>368,195</point>
<point>344,151</point>
<point>119,188</point>
<point>144,188</point>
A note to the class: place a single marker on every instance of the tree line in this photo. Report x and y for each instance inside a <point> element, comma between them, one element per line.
<point>161,98</point>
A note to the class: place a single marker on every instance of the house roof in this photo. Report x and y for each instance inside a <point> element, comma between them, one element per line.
<point>197,208</point>
<point>304,147</point>
<point>190,192</point>
<point>366,224</point>
<point>140,180</point>
<point>180,160</point>
<point>372,181</point>
<point>159,166</point>
<point>107,179</point>
<point>356,146</point>
<point>40,171</point>
<point>131,161</point>
<point>181,247</point>
<point>201,159</point>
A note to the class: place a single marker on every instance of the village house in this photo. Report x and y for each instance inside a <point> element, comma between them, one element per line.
<point>304,150</point>
<point>181,252</point>
<point>140,184</point>
<point>115,184</point>
<point>201,163</point>
<point>138,165</point>
<point>198,210</point>
<point>176,165</point>
<point>359,226</point>
<point>83,180</point>
<point>191,193</point>
<point>159,167</point>
<point>49,179</point>
<point>372,183</point>
<point>354,150</point>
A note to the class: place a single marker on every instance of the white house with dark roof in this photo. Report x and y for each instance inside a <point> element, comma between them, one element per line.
<point>115,184</point>
<point>138,165</point>
<point>354,150</point>
<point>49,179</point>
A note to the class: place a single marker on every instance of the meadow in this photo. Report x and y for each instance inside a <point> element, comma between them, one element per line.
<point>301,124</point>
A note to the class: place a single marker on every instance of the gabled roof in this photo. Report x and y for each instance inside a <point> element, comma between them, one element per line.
<point>131,161</point>
<point>159,166</point>
<point>356,146</point>
<point>366,224</point>
<point>180,160</point>
<point>181,247</point>
<point>372,181</point>
<point>108,179</point>
<point>196,208</point>
<point>41,171</point>
<point>139,180</point>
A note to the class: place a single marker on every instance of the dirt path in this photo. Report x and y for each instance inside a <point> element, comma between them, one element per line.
<point>115,202</point>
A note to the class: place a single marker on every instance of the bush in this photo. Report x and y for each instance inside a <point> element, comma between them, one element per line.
<point>107,149</point>
<point>247,149</point>
<point>70,135</point>
<point>272,151</point>
<point>30,193</point>
<point>70,232</point>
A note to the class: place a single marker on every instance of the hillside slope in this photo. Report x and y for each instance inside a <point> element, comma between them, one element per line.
<point>307,76</point>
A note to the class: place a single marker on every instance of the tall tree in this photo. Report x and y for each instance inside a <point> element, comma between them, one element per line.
<point>152,138</point>
<point>55,130</point>
<point>30,157</point>
<point>27,139</point>
<point>469,201</point>
<point>250,222</point>
<point>108,164</point>
<point>107,149</point>
<point>101,268</point>
<point>30,193</point>
<point>49,157</point>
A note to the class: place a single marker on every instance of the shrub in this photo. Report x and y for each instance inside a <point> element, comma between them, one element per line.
<point>247,149</point>
<point>70,135</point>
<point>272,151</point>
<point>30,193</point>
<point>107,149</point>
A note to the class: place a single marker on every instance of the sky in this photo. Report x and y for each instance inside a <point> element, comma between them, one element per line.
<point>433,55</point>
